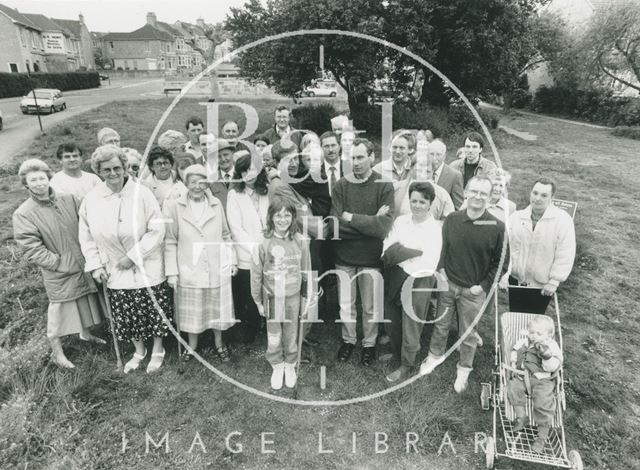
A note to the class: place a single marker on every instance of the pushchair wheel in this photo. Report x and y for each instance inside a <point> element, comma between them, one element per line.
<point>575,460</point>
<point>485,396</point>
<point>490,453</point>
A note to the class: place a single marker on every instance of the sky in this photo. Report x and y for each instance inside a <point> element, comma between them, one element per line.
<point>127,15</point>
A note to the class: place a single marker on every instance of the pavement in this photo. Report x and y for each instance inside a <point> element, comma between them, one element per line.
<point>19,129</point>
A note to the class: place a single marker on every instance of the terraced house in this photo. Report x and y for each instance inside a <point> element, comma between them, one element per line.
<point>157,46</point>
<point>33,42</point>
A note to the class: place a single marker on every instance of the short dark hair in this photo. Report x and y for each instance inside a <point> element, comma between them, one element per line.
<point>406,135</point>
<point>157,153</point>
<point>366,142</point>
<point>261,137</point>
<point>195,120</point>
<point>67,147</point>
<point>474,137</point>
<point>276,205</point>
<point>329,134</point>
<point>547,181</point>
<point>241,165</point>
<point>281,108</point>
<point>424,188</point>
<point>279,151</point>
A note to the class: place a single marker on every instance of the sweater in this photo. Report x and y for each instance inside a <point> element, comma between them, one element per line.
<point>279,260</point>
<point>471,249</point>
<point>361,238</point>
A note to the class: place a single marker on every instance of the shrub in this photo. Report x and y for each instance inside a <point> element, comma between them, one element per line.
<point>315,117</point>
<point>593,105</point>
<point>521,98</point>
<point>18,84</point>
<point>626,131</point>
<point>443,122</point>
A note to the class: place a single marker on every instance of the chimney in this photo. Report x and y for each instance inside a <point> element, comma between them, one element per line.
<point>200,22</point>
<point>81,18</point>
<point>151,18</point>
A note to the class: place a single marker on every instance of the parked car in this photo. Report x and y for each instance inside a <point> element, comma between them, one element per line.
<point>49,101</point>
<point>103,76</point>
<point>321,88</point>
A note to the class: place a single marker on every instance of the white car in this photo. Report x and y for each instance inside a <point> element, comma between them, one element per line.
<point>321,88</point>
<point>49,101</point>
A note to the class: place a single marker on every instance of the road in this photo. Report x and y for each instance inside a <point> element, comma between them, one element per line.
<point>20,129</point>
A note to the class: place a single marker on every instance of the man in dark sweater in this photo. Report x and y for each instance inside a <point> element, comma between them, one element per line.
<point>363,207</point>
<point>472,249</point>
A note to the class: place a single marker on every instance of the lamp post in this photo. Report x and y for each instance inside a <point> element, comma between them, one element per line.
<point>35,100</point>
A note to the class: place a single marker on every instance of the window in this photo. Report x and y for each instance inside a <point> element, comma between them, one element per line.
<point>135,65</point>
<point>13,68</point>
<point>23,40</point>
<point>111,44</point>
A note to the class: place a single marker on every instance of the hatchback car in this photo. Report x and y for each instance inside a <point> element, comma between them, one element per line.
<point>321,88</point>
<point>49,101</point>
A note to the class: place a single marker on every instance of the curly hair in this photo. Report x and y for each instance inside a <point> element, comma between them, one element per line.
<point>104,153</point>
<point>30,166</point>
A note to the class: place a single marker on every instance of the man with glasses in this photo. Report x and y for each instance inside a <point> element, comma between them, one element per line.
<point>72,180</point>
<point>282,127</point>
<point>472,246</point>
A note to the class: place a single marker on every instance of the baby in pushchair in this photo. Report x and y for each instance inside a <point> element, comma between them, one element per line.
<point>534,361</point>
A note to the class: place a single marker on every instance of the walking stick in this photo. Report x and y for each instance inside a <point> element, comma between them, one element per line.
<point>175,312</point>
<point>300,335</point>
<point>105,293</point>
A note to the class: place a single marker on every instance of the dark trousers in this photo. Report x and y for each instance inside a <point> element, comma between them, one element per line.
<point>246,310</point>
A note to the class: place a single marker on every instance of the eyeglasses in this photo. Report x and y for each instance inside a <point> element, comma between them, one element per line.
<point>474,192</point>
<point>134,167</point>
<point>162,163</point>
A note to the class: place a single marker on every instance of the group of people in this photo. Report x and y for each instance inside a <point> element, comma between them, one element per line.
<point>213,233</point>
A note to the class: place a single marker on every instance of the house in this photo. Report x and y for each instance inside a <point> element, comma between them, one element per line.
<point>576,15</point>
<point>156,46</point>
<point>33,42</point>
<point>80,31</point>
<point>22,45</point>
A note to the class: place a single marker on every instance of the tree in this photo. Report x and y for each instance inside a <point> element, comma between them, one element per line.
<point>99,58</point>
<point>611,44</point>
<point>215,34</point>
<point>290,63</point>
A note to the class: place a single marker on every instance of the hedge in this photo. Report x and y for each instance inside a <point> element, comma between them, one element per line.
<point>18,84</point>
<point>593,105</point>
<point>314,117</point>
<point>443,122</point>
<point>626,131</point>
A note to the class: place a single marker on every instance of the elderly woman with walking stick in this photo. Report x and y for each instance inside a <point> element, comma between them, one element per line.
<point>121,235</point>
<point>200,261</point>
<point>46,227</point>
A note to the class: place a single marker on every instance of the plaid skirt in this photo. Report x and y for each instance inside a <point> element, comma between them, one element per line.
<point>204,308</point>
<point>136,316</point>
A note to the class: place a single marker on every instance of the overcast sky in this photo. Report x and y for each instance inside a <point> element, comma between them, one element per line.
<point>124,16</point>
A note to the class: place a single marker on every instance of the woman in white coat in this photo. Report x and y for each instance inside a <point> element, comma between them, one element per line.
<point>247,205</point>
<point>121,233</point>
<point>200,261</point>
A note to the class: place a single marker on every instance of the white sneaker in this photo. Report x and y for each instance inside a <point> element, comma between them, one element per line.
<point>277,376</point>
<point>134,362</point>
<point>290,377</point>
<point>462,377</point>
<point>429,364</point>
<point>156,362</point>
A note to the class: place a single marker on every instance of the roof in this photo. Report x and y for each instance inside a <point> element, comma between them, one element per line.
<point>190,28</point>
<point>45,24</point>
<point>72,25</point>
<point>166,27</point>
<point>17,17</point>
<point>146,33</point>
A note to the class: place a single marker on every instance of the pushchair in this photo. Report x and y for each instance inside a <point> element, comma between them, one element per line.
<point>509,328</point>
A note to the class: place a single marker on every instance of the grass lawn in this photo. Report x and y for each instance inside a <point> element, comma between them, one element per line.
<point>55,419</point>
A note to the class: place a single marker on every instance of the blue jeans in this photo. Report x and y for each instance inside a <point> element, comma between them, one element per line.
<point>468,305</point>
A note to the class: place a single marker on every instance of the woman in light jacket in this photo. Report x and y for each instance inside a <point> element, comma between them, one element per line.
<point>247,205</point>
<point>46,227</point>
<point>121,235</point>
<point>200,274</point>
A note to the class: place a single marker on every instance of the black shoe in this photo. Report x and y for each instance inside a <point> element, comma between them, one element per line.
<point>368,355</point>
<point>345,351</point>
<point>311,342</point>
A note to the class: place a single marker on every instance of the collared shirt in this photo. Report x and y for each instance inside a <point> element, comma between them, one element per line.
<point>327,167</point>
<point>196,152</point>
<point>386,167</point>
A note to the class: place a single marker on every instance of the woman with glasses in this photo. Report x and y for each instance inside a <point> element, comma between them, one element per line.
<point>162,178</point>
<point>121,236</point>
<point>46,227</point>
